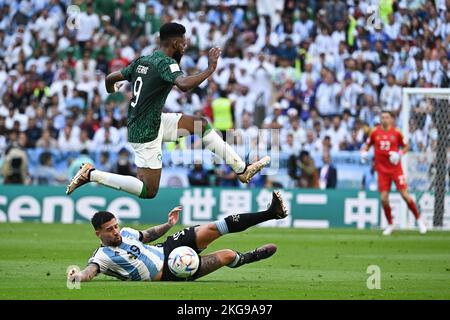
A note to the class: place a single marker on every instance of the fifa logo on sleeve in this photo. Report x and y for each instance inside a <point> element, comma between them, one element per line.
<point>374,280</point>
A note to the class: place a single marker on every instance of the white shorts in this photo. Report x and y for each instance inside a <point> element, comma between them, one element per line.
<point>149,154</point>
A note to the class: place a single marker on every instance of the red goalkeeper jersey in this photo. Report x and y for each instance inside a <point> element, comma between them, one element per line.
<point>384,142</point>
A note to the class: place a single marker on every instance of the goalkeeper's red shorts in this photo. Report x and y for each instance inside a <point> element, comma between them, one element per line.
<point>385,180</point>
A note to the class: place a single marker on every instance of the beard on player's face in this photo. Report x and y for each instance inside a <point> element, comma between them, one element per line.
<point>112,240</point>
<point>110,234</point>
<point>177,55</point>
<point>385,121</point>
<point>179,45</point>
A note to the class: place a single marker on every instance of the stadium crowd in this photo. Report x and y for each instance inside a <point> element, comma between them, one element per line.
<point>319,71</point>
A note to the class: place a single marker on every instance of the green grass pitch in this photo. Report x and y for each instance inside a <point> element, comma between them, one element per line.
<point>309,264</point>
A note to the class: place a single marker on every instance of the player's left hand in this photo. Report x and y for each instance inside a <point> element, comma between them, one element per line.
<point>213,57</point>
<point>73,275</point>
<point>174,215</point>
<point>394,157</point>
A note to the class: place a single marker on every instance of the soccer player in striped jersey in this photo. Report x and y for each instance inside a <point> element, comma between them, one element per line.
<point>125,254</point>
<point>389,146</point>
<point>152,78</point>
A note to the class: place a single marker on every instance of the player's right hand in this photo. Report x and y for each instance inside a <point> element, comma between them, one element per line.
<point>364,156</point>
<point>213,57</point>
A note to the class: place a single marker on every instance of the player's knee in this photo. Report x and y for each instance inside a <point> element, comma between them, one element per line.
<point>204,121</point>
<point>227,256</point>
<point>212,227</point>
<point>151,193</point>
<point>405,196</point>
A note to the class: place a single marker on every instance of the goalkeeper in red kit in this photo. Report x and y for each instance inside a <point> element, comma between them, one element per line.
<point>389,147</point>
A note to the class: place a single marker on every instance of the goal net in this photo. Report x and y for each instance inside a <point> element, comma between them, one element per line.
<point>425,122</point>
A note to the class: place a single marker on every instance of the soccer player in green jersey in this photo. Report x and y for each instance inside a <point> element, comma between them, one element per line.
<point>152,77</point>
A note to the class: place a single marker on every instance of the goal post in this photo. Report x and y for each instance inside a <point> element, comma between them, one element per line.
<point>425,124</point>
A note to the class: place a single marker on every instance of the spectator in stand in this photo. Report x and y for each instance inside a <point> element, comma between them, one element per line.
<point>283,72</point>
<point>45,173</point>
<point>67,141</point>
<point>75,165</point>
<point>88,25</point>
<point>353,144</point>
<point>85,142</point>
<point>291,146</point>
<point>326,96</point>
<point>46,141</point>
<point>222,109</point>
<point>33,133</point>
<point>15,164</point>
<point>391,95</point>
<point>302,170</point>
<point>124,165</point>
<point>327,144</point>
<point>338,134</point>
<point>198,176</point>
<point>349,93</point>
<point>104,163</point>
<point>327,173</point>
<point>106,136</point>
<point>313,144</point>
<point>276,117</point>
<point>225,176</point>
<point>90,124</point>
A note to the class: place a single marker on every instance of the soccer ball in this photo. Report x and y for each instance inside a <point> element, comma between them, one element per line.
<point>183,262</point>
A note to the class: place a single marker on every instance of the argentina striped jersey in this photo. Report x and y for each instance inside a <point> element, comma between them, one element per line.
<point>131,260</point>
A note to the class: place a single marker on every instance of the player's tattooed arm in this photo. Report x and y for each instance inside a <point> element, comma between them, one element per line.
<point>111,79</point>
<point>158,231</point>
<point>85,275</point>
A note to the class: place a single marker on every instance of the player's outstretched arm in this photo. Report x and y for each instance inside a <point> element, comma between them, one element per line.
<point>157,232</point>
<point>364,153</point>
<point>85,275</point>
<point>111,79</point>
<point>186,83</point>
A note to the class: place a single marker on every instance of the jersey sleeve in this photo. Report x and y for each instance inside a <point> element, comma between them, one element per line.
<point>401,139</point>
<point>99,258</point>
<point>169,70</point>
<point>127,72</point>
<point>370,139</point>
<point>131,233</point>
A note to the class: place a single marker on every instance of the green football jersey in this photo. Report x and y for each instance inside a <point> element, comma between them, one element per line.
<point>152,78</point>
